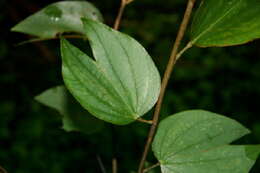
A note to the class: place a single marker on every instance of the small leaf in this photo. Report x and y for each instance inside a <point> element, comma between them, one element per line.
<point>226,22</point>
<point>197,142</point>
<point>120,85</point>
<point>57,18</point>
<point>74,117</point>
<point>55,98</point>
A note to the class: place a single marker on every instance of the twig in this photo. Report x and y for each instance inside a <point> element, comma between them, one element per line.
<point>189,45</point>
<point>44,50</point>
<point>120,13</point>
<point>151,167</point>
<point>114,165</point>
<point>2,170</point>
<point>166,77</point>
<point>102,167</point>
<point>145,121</point>
<point>53,38</point>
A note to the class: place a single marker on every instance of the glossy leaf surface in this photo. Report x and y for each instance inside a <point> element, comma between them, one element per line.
<point>226,22</point>
<point>57,18</point>
<point>120,85</point>
<point>197,142</point>
<point>74,117</point>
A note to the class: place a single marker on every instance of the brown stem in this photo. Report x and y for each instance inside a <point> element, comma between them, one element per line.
<point>165,80</point>
<point>151,167</point>
<point>120,13</point>
<point>189,45</point>
<point>145,121</point>
<point>2,170</point>
<point>53,38</point>
<point>114,165</point>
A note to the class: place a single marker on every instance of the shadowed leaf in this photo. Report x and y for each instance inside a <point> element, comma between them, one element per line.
<point>74,117</point>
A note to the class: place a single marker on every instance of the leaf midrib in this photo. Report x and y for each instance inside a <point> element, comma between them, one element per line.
<point>184,133</point>
<point>131,69</point>
<point>203,140</point>
<point>120,81</point>
<point>205,161</point>
<point>216,22</point>
<point>108,104</point>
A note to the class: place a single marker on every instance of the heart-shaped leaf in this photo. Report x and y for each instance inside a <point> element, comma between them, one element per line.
<point>120,85</point>
<point>197,142</point>
<point>226,22</point>
<point>57,18</point>
<point>74,117</point>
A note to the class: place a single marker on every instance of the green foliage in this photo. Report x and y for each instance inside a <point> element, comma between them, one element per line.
<point>55,98</point>
<point>122,83</point>
<point>57,18</point>
<point>74,117</point>
<point>197,142</point>
<point>226,22</point>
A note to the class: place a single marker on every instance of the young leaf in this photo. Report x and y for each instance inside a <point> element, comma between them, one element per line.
<point>57,18</point>
<point>226,22</point>
<point>120,85</point>
<point>197,142</point>
<point>74,117</point>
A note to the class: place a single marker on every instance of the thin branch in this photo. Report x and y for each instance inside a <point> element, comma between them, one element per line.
<point>145,121</point>
<point>166,77</point>
<point>151,167</point>
<point>114,165</point>
<point>2,170</point>
<point>102,167</point>
<point>189,45</point>
<point>53,38</point>
<point>120,13</point>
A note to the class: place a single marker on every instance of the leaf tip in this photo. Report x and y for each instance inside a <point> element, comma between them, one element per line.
<point>13,29</point>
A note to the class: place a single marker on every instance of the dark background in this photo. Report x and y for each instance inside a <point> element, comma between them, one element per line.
<point>222,80</point>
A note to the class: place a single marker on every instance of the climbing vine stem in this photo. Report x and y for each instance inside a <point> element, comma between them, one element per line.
<point>166,77</point>
<point>120,13</point>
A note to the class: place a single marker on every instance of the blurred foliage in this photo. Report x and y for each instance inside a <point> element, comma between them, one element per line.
<point>73,116</point>
<point>221,80</point>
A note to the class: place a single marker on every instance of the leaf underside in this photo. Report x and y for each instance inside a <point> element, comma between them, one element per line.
<point>57,18</point>
<point>198,142</point>
<point>226,22</point>
<point>120,85</point>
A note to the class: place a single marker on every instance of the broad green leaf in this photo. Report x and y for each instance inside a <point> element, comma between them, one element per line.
<point>74,117</point>
<point>226,22</point>
<point>120,84</point>
<point>197,142</point>
<point>57,18</point>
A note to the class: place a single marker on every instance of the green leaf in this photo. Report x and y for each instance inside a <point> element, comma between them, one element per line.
<point>197,141</point>
<point>226,22</point>
<point>57,18</point>
<point>74,117</point>
<point>120,85</point>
